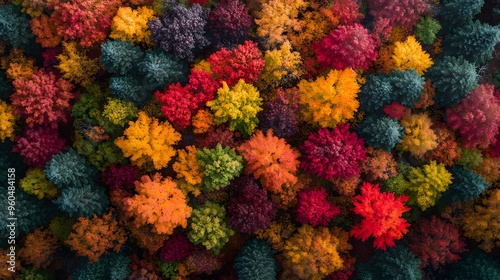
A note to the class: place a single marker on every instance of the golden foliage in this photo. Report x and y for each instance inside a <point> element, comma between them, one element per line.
<point>132,25</point>
<point>7,121</point>
<point>409,55</point>
<point>187,166</point>
<point>331,100</point>
<point>482,223</point>
<point>76,66</point>
<point>148,143</point>
<point>280,63</point>
<point>419,137</point>
<point>17,64</point>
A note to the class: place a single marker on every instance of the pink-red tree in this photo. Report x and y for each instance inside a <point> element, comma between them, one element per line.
<point>401,12</point>
<point>476,117</point>
<point>38,145</point>
<point>347,46</point>
<point>336,153</point>
<point>313,208</point>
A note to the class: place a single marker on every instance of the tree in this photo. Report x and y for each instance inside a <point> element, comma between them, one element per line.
<point>255,261</point>
<point>375,93</point>
<point>331,100</point>
<point>335,153</point>
<point>395,263</point>
<point>404,12</point>
<point>419,137</point>
<point>379,165</point>
<point>88,21</point>
<point>238,106</point>
<point>250,208</point>
<point>466,185</point>
<point>475,42</point>
<point>83,201</point>
<point>130,89</point>
<point>481,221</point>
<point>39,248</point>
<point>7,121</point>
<point>148,143</point>
<point>15,27</point>
<point>435,242</point>
<point>454,78</point>
<point>381,132</point>
<point>243,62</point>
<point>35,183</point>
<point>277,18</point>
<point>180,30</point>
<point>477,117</point>
<point>282,66</point>
<point>409,55</point>
<point>69,169</point>
<point>176,248</point>
<point>348,46</point>
<point>132,25</point>
<point>45,30</point>
<point>459,13</point>
<point>38,145</point>
<point>281,114</point>
<point>475,265</point>
<point>229,23</point>
<point>42,99</point>
<point>160,69</point>
<point>188,168</point>
<point>76,66</point>
<point>119,112</point>
<point>426,30</point>
<point>382,216</point>
<point>219,165</point>
<point>158,202</point>
<point>313,208</point>
<point>407,86</point>
<point>110,266</point>
<point>311,253</point>
<point>120,56</point>
<point>93,237</point>
<point>427,183</point>
<point>271,160</point>
<point>208,226</point>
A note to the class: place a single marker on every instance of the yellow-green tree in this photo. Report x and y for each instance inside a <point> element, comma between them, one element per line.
<point>427,183</point>
<point>148,143</point>
<point>331,100</point>
<point>132,25</point>
<point>238,106</point>
<point>409,55</point>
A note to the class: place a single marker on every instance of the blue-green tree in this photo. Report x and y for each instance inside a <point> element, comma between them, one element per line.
<point>120,57</point>
<point>83,201</point>
<point>381,132</point>
<point>466,185</point>
<point>69,169</point>
<point>256,261</point>
<point>477,266</point>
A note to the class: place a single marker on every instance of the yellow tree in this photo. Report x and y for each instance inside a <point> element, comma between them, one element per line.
<point>280,63</point>
<point>331,100</point>
<point>419,137</point>
<point>187,168</point>
<point>76,66</point>
<point>132,25</point>
<point>148,143</point>
<point>409,55</point>
<point>7,120</point>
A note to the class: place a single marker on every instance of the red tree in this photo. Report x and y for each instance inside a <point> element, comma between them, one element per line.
<point>244,62</point>
<point>335,153</point>
<point>42,99</point>
<point>381,214</point>
<point>313,208</point>
<point>401,12</point>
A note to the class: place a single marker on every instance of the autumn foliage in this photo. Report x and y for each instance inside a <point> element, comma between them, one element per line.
<point>382,216</point>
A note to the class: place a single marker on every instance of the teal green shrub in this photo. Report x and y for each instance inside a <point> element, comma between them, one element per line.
<point>256,261</point>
